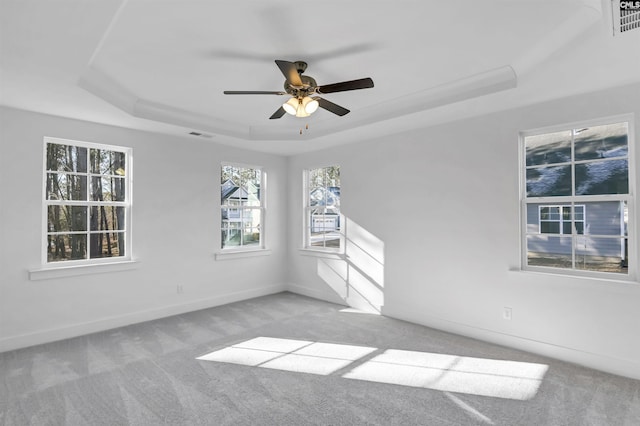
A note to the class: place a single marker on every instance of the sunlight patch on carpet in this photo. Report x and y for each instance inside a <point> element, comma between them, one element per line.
<point>452,373</point>
<point>299,356</point>
<point>443,372</point>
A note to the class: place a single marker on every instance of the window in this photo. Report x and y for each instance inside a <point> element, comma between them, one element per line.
<point>577,199</point>
<point>242,204</point>
<point>86,202</point>
<point>322,208</point>
<point>557,219</point>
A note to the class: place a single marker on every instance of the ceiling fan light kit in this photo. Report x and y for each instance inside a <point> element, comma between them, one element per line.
<point>302,87</point>
<point>301,107</point>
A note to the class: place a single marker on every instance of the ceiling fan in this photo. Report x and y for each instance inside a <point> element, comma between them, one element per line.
<point>304,89</point>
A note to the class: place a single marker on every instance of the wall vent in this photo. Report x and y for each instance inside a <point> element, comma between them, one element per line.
<point>202,135</point>
<point>625,16</point>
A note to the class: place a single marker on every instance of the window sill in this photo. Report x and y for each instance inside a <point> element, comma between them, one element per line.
<point>321,253</point>
<point>238,254</point>
<point>49,273</point>
<point>613,278</point>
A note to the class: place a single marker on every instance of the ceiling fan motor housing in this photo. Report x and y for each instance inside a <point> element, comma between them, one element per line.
<point>309,86</point>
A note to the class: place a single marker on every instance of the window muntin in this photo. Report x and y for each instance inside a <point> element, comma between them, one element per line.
<point>86,202</point>
<point>242,207</point>
<point>577,199</point>
<point>322,208</point>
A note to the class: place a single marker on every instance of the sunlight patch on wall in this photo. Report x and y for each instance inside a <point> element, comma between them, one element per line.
<point>358,276</point>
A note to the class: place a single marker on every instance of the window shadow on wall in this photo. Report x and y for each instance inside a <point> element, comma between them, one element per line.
<point>357,275</point>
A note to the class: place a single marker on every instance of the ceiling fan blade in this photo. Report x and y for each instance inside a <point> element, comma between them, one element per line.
<point>252,92</point>
<point>279,113</point>
<point>331,107</point>
<point>290,72</point>
<point>363,83</point>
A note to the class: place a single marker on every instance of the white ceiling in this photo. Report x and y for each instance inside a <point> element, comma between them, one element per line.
<point>162,65</point>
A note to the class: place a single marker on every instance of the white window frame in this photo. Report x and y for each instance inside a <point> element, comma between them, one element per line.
<point>261,246</point>
<point>126,204</point>
<point>629,199</point>
<point>306,226</point>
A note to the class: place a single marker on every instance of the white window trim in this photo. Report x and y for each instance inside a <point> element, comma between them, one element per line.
<point>72,267</point>
<point>307,248</point>
<point>253,250</point>
<point>633,244</point>
<point>78,270</point>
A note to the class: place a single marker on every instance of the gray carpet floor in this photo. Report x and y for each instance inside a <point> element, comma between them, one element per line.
<point>148,374</point>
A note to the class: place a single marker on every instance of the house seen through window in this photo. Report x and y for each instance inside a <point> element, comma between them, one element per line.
<point>322,208</point>
<point>242,207</point>
<point>577,199</point>
<point>86,202</point>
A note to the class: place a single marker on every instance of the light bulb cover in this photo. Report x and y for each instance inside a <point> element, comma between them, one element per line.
<point>291,106</point>
<point>310,105</point>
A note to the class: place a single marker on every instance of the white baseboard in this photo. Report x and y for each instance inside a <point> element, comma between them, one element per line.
<point>619,366</point>
<point>54,334</point>
<point>327,296</point>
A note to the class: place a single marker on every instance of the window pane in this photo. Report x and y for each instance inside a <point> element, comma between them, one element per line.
<point>549,227</point>
<point>317,197</point>
<point>66,158</point>
<point>544,213</point>
<point>108,244</point>
<point>316,178</point>
<point>251,195</point>
<point>240,227</point>
<point>606,218</point>
<point>231,236</point>
<point>317,222</point>
<point>601,142</point>
<point>107,189</point>
<point>551,251</point>
<point>107,218</point>
<point>67,218</point>
<point>107,162</point>
<point>63,186</point>
<point>548,148</point>
<point>251,218</point>
<point>602,177</point>
<point>225,173</point>
<point>332,237</point>
<point>66,247</point>
<point>251,236</point>
<point>549,181</point>
<point>240,186</point>
<point>228,190</point>
<point>601,254</point>
<point>325,230</point>
<point>554,213</point>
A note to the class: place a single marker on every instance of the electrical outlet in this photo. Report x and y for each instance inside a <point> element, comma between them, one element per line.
<point>507,313</point>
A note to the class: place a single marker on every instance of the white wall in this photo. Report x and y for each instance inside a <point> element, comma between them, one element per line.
<point>176,220</point>
<point>444,201</point>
